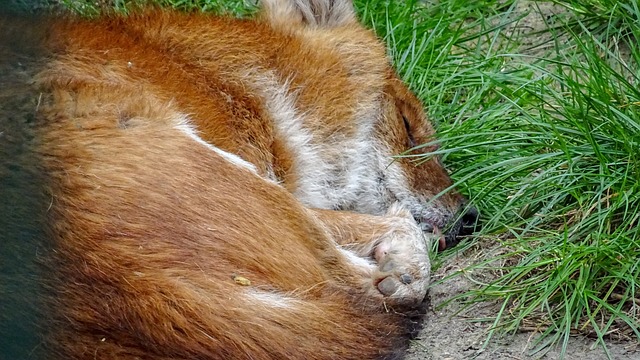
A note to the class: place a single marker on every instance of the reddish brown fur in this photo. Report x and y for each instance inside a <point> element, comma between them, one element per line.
<point>196,56</point>
<point>150,230</point>
<point>166,287</point>
<point>430,175</point>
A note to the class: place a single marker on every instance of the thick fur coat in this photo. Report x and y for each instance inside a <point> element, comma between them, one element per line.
<point>187,186</point>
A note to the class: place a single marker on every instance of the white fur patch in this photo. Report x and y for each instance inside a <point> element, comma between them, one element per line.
<point>309,165</point>
<point>366,264</point>
<point>185,126</point>
<point>270,299</point>
<point>330,174</point>
<point>420,205</point>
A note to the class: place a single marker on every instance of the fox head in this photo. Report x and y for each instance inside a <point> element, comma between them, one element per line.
<point>352,99</point>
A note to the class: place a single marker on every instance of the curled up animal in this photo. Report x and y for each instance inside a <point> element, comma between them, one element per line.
<point>190,186</point>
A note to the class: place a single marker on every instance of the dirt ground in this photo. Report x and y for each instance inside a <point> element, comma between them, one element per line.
<point>450,336</point>
<point>447,336</point>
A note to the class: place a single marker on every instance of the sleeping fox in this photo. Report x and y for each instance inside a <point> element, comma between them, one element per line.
<point>188,186</point>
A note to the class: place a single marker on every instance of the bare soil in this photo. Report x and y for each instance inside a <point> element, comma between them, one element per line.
<point>449,335</point>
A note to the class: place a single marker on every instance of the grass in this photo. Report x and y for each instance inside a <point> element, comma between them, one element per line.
<point>542,135</point>
<point>546,142</point>
<point>95,7</point>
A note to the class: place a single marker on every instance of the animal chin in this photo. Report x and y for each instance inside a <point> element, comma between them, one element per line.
<point>433,224</point>
<point>428,218</point>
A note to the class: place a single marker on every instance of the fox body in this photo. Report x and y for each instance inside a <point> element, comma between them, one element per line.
<point>188,186</point>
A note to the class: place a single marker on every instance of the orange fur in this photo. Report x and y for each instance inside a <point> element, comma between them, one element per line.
<point>149,243</point>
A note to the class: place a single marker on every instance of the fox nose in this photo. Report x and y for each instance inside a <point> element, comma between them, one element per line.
<point>470,221</point>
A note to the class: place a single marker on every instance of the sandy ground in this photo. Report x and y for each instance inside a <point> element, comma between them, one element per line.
<point>450,336</point>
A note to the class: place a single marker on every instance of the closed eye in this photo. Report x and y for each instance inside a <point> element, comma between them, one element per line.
<point>407,127</point>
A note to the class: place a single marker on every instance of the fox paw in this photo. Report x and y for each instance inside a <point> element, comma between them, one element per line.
<point>402,276</point>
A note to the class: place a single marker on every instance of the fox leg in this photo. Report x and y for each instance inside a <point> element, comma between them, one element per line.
<point>391,249</point>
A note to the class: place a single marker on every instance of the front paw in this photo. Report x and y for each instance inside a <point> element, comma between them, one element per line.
<point>402,276</point>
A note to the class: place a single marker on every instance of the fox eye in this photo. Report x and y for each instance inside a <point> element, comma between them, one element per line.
<point>407,127</point>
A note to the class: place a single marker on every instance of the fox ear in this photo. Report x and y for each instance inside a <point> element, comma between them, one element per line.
<point>315,13</point>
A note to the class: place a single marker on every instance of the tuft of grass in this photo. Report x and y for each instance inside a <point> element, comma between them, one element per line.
<point>603,16</point>
<point>91,8</point>
<point>544,139</point>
